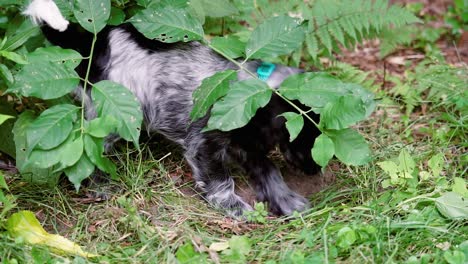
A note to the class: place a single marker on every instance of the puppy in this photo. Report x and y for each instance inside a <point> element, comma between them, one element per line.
<point>163,77</point>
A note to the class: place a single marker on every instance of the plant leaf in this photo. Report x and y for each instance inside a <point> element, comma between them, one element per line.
<point>350,147</point>
<point>4,118</point>
<point>459,186</point>
<point>294,124</point>
<point>342,113</point>
<point>323,150</point>
<point>15,57</point>
<point>92,14</point>
<point>230,45</point>
<point>52,127</point>
<point>24,225</point>
<point>167,23</point>
<point>117,101</point>
<point>276,36</point>
<point>6,75</point>
<point>94,148</point>
<point>69,57</point>
<point>45,80</point>
<point>453,206</point>
<point>219,8</point>
<point>239,105</point>
<point>80,171</point>
<point>102,126</point>
<point>67,153</point>
<point>210,90</point>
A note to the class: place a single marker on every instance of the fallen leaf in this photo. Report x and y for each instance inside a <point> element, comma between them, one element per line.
<point>24,225</point>
<point>219,246</point>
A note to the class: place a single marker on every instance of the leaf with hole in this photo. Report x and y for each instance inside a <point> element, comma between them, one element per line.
<point>239,105</point>
<point>276,36</point>
<point>323,150</point>
<point>210,90</point>
<point>51,128</point>
<point>92,14</point>
<point>350,147</point>
<point>115,100</point>
<point>294,124</point>
<point>45,80</point>
<point>167,23</point>
<point>56,54</point>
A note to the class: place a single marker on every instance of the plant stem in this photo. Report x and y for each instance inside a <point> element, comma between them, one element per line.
<point>85,84</point>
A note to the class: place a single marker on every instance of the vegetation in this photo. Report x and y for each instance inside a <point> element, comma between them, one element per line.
<point>404,201</point>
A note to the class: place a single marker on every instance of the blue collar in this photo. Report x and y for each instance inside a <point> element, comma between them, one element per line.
<point>265,70</point>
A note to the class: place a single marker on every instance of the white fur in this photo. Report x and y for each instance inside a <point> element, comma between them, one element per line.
<point>48,12</point>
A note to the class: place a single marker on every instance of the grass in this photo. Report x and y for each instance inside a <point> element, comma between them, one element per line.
<point>152,218</point>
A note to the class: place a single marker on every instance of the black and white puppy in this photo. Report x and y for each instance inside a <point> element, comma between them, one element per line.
<point>163,76</point>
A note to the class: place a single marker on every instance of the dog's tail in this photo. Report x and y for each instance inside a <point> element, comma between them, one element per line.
<point>56,28</point>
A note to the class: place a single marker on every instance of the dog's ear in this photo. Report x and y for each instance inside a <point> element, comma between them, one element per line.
<point>46,11</point>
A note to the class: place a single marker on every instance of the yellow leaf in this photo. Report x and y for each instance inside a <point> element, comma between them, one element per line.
<point>219,246</point>
<point>25,225</point>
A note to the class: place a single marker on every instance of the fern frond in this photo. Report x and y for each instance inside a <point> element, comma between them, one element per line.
<point>348,22</point>
<point>348,73</point>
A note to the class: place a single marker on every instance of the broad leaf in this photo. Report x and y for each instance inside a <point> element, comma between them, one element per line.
<point>94,148</point>
<point>312,89</point>
<point>219,8</point>
<point>25,226</point>
<point>117,101</point>
<point>239,105</point>
<point>350,147</point>
<point>323,150</point>
<point>15,57</point>
<point>229,45</point>
<point>68,153</point>
<point>117,17</point>
<point>294,124</point>
<point>453,206</point>
<point>102,126</point>
<point>6,75</point>
<point>45,80</point>
<point>56,54</point>
<point>80,171</point>
<point>210,90</point>
<point>276,36</point>
<point>52,127</point>
<point>92,14</point>
<point>167,24</point>
<point>342,113</point>
<point>4,118</point>
<point>29,171</point>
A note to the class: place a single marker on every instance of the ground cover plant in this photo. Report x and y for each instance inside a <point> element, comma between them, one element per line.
<point>404,201</point>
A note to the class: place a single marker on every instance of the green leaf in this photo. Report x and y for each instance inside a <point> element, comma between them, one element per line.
<point>313,89</point>
<point>276,36</point>
<point>102,126</point>
<point>56,54</point>
<point>436,164</point>
<point>344,112</point>
<point>167,24</point>
<point>80,171</point>
<point>219,8</point>
<point>407,164</point>
<point>390,167</point>
<point>454,257</point>
<point>117,101</point>
<point>459,186</point>
<point>3,184</point>
<point>346,237</point>
<point>52,127</point>
<point>323,150</point>
<point>4,118</point>
<point>294,124</point>
<point>239,105</point>
<point>117,17</point>
<point>94,148</point>
<point>6,75</point>
<point>45,80</point>
<point>453,206</point>
<point>20,38</point>
<point>67,153</point>
<point>350,147</point>
<point>210,90</point>
<point>15,57</point>
<point>25,226</point>
<point>229,45</point>
<point>27,170</point>
<point>92,14</point>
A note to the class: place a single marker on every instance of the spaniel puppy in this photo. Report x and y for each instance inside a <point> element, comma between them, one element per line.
<point>163,77</point>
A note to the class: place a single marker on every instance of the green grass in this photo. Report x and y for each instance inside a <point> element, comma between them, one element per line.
<point>149,219</point>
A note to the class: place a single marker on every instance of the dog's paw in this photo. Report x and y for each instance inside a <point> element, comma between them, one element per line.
<point>287,203</point>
